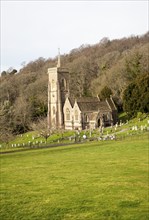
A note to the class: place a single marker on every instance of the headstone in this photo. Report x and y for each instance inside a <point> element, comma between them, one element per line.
<point>136,128</point>
<point>99,138</point>
<point>84,136</point>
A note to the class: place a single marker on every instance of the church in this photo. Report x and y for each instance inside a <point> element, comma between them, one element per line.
<point>66,112</point>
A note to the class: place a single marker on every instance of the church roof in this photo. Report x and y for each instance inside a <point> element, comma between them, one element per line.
<point>92,104</point>
<point>88,104</point>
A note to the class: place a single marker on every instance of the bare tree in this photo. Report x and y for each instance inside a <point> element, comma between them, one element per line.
<point>41,126</point>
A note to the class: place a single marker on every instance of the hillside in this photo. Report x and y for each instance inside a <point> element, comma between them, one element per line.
<point>23,95</point>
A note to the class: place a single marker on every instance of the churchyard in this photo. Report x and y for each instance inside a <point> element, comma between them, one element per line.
<point>124,129</point>
<point>97,180</point>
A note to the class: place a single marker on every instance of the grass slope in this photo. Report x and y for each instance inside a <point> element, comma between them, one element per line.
<point>92,181</point>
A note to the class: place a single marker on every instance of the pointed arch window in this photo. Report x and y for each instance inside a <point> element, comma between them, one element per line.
<point>76,115</point>
<point>67,114</point>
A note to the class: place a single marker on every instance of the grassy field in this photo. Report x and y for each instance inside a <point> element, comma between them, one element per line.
<point>91,181</point>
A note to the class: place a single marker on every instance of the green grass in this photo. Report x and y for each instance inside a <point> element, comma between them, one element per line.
<point>92,181</point>
<point>26,140</point>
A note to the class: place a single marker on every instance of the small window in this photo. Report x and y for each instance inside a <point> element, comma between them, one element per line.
<point>53,110</point>
<point>64,83</point>
<point>76,115</point>
<point>53,84</point>
<point>67,114</point>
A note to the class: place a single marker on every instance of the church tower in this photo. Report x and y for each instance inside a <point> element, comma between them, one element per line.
<point>58,90</point>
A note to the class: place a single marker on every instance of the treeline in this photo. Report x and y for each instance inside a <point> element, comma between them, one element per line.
<point>105,68</point>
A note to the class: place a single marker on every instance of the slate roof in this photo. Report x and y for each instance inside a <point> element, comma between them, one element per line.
<point>91,104</point>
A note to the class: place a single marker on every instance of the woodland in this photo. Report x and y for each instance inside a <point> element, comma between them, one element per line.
<point>117,67</point>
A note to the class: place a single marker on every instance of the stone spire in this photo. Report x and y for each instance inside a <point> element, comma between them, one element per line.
<point>59,60</point>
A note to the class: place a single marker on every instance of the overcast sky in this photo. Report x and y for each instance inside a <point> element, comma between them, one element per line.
<point>33,29</point>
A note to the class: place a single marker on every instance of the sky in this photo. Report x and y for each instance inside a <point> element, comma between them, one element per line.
<point>33,29</point>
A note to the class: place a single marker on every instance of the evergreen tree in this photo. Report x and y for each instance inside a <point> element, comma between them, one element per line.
<point>136,96</point>
<point>105,93</point>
